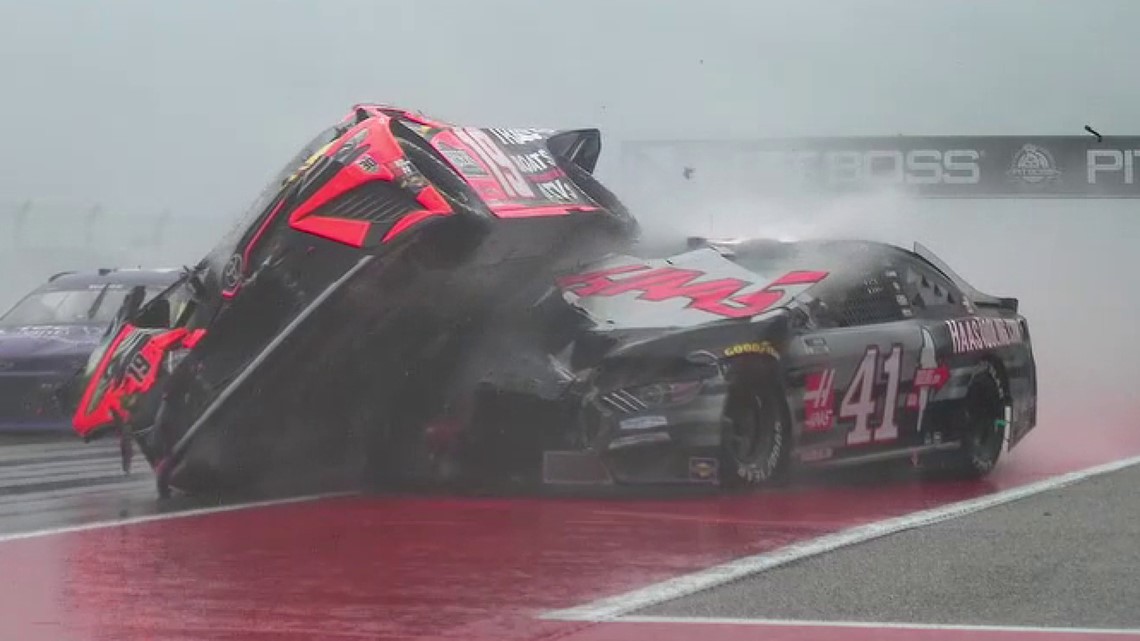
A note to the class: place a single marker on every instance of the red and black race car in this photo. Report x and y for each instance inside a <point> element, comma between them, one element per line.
<point>438,303</point>
<point>382,238</point>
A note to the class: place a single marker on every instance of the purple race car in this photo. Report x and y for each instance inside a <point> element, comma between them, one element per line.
<point>49,335</point>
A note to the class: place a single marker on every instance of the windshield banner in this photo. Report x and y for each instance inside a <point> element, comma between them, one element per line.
<point>926,166</point>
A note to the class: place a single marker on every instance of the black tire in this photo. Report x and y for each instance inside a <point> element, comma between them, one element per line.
<point>756,440</point>
<point>980,420</point>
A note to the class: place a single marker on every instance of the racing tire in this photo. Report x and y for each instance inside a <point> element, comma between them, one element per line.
<point>756,438</point>
<point>980,420</point>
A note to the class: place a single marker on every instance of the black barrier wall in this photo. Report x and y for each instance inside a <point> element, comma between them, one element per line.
<point>924,166</point>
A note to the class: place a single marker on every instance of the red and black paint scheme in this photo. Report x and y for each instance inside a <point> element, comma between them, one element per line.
<point>432,303</point>
<point>384,234</point>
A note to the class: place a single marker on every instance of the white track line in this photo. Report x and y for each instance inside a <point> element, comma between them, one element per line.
<point>876,625</point>
<point>100,525</point>
<point>611,608</point>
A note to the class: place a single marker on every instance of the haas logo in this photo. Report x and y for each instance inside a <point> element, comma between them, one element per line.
<point>819,400</point>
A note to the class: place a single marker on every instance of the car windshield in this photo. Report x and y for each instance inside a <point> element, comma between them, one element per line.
<point>93,305</point>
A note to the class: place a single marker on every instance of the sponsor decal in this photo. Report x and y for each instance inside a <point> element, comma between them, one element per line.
<point>643,423</point>
<point>819,401</point>
<point>1119,162</point>
<point>368,164</point>
<point>934,377</point>
<point>720,297</point>
<point>42,331</point>
<point>231,273</point>
<point>816,345</point>
<point>535,162</point>
<point>1033,165</point>
<point>496,161</point>
<point>976,334</point>
<point>926,378</point>
<point>763,347</point>
<point>406,175</point>
<point>461,160</point>
<point>816,454</point>
<point>892,166</point>
<point>518,137</point>
<point>704,469</point>
<point>557,191</point>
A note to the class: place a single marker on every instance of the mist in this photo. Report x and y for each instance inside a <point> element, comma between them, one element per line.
<point>144,107</point>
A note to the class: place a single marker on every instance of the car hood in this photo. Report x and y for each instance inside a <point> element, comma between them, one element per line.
<point>48,340</point>
<point>683,291</point>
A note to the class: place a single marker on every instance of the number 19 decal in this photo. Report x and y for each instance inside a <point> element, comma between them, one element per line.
<point>496,161</point>
<point>859,400</point>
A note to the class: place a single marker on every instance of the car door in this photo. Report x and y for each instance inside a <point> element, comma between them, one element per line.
<point>857,365</point>
<point>935,299</point>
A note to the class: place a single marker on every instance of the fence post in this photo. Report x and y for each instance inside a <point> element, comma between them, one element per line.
<point>20,223</point>
<point>89,230</point>
<point>160,227</point>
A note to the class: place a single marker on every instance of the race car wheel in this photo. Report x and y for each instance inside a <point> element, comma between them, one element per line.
<point>756,437</point>
<point>980,420</point>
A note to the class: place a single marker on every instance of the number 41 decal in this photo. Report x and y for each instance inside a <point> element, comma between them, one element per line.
<point>859,401</point>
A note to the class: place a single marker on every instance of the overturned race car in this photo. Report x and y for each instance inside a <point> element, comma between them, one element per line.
<point>433,303</point>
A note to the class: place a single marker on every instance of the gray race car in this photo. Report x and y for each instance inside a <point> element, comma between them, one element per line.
<point>731,361</point>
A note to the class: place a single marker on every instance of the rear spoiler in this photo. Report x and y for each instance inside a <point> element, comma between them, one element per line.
<point>579,146</point>
<point>976,297</point>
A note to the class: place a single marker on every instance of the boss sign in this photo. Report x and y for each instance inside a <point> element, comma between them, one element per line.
<point>914,167</point>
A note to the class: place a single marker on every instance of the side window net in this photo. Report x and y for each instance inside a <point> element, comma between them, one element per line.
<point>869,303</point>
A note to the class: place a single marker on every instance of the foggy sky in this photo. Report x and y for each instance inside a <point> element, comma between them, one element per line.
<point>193,104</point>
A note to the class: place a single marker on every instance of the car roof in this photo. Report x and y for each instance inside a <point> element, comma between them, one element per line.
<point>826,250</point>
<point>115,277</point>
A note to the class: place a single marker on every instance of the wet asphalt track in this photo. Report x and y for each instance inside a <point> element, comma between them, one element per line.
<point>55,482</point>
<point>1065,558</point>
<point>391,567</point>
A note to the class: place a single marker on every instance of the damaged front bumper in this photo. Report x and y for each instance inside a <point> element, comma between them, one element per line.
<point>637,437</point>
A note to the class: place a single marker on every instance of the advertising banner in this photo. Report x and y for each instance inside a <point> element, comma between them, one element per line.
<point>924,166</point>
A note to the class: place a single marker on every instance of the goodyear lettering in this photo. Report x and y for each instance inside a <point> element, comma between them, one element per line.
<point>752,348</point>
<point>976,334</point>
